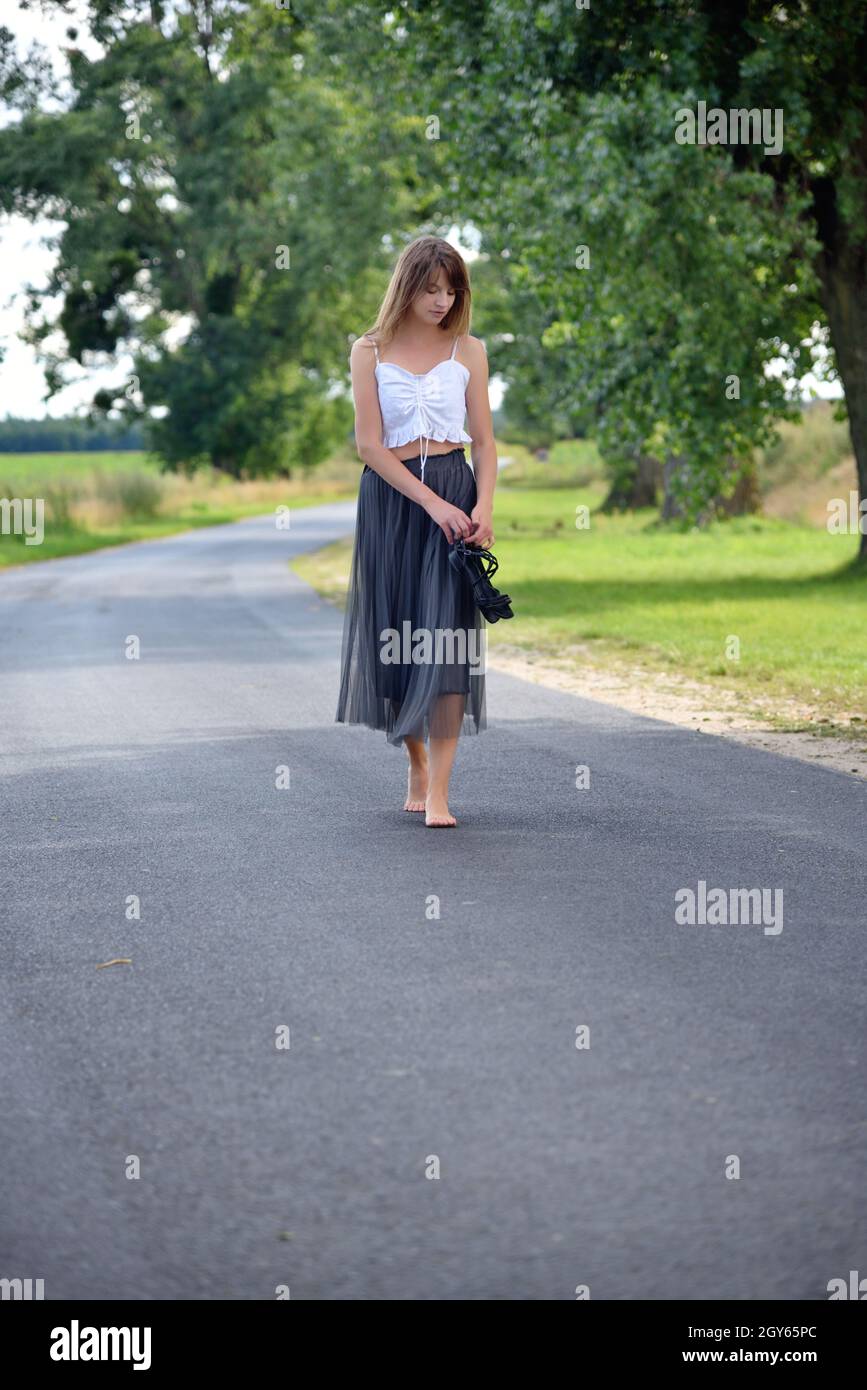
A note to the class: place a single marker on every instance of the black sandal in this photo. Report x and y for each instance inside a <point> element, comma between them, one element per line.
<point>478,566</point>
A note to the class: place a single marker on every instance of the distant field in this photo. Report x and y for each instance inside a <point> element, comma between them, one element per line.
<point>624,591</point>
<point>24,467</point>
<point>101,499</point>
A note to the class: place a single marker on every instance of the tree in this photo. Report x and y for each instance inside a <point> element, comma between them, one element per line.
<point>225,207</point>
<point>707,262</point>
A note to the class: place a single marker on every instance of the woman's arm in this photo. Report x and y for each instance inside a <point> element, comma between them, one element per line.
<point>368,441</point>
<point>484,450</point>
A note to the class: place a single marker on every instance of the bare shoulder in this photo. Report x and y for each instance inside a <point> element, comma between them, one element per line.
<point>473,353</point>
<point>362,350</point>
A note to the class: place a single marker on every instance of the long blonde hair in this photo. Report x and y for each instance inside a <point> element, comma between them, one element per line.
<point>410,277</point>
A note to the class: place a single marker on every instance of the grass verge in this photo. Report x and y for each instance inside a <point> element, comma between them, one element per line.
<point>96,500</point>
<point>762,609</point>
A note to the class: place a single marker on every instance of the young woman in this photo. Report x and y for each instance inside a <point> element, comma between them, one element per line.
<point>415,375</point>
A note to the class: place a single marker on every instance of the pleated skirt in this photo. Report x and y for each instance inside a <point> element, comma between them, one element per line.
<point>412,656</point>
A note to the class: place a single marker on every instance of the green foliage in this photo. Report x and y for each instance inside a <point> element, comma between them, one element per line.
<point>225,200</point>
<point>37,436</point>
<point>189,155</point>
<point>708,263</point>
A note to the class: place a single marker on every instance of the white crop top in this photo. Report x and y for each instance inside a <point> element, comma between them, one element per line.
<point>426,406</point>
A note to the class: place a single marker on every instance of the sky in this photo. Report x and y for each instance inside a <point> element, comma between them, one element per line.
<point>26,259</point>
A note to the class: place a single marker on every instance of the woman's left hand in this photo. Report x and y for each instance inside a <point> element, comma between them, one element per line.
<point>482,519</point>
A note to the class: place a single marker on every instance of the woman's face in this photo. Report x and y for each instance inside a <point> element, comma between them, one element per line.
<point>435,300</point>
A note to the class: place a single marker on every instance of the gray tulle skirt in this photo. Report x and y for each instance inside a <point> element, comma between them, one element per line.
<point>412,660</point>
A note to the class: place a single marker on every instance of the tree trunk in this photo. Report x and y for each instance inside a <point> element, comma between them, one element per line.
<point>744,499</point>
<point>842,267</point>
<point>671,507</point>
<point>635,488</point>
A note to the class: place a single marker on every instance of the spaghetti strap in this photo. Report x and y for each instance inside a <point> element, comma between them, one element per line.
<point>375,348</point>
<point>454,347</point>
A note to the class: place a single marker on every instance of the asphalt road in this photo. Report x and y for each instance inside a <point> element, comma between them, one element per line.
<point>410,1036</point>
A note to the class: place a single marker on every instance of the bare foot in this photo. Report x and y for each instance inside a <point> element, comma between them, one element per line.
<point>436,812</point>
<point>416,787</point>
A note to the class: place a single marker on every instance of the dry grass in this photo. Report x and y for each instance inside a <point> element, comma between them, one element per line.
<point>105,500</point>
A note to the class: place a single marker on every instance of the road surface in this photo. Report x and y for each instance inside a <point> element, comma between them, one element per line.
<point>156,1141</point>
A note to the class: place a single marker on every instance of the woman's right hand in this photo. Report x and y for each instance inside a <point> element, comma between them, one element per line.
<point>451,520</point>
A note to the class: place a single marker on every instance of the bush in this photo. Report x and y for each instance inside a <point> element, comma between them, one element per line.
<point>59,498</point>
<point>134,493</point>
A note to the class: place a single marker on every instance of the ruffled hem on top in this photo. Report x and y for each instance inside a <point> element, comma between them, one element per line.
<point>394,438</point>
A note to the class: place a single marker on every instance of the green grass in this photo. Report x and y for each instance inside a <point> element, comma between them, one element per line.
<point>628,593</point>
<point>784,591</point>
<point>570,463</point>
<point>104,499</point>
